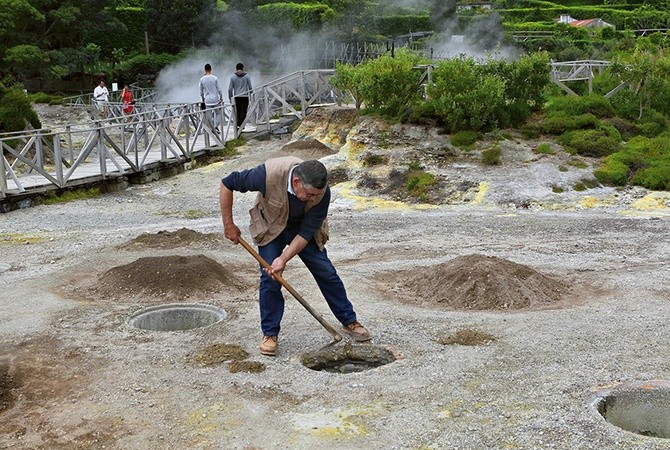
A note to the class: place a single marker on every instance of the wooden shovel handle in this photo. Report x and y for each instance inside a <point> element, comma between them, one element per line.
<point>337,336</point>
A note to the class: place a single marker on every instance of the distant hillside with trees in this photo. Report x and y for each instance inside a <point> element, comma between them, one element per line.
<point>63,46</point>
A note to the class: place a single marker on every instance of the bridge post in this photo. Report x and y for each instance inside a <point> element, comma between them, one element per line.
<point>101,153</point>
<point>58,160</point>
<point>3,172</point>
<point>39,156</point>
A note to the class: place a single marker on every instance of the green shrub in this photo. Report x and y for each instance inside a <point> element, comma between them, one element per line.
<point>418,181</point>
<point>387,86</point>
<point>626,129</point>
<point>464,139</point>
<point>491,156</point>
<point>300,16</point>
<point>643,161</point>
<point>578,163</point>
<point>40,97</point>
<point>626,105</point>
<point>144,67</point>
<point>579,186</point>
<point>464,98</point>
<point>395,25</point>
<point>613,173</point>
<point>16,110</point>
<point>656,177</point>
<point>596,105</point>
<point>544,149</point>
<point>585,183</point>
<point>652,123</point>
<point>71,195</point>
<point>374,160</point>
<point>532,130</point>
<point>561,122</point>
<point>596,143</point>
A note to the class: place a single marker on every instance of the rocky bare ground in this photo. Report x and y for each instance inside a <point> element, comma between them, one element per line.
<point>74,374</point>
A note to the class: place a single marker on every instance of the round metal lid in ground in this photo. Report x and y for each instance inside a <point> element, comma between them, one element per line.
<point>4,267</point>
<point>641,407</point>
<point>348,358</point>
<point>176,317</point>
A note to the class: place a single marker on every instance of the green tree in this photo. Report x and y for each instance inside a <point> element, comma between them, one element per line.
<point>296,16</point>
<point>174,25</point>
<point>15,110</point>
<point>347,79</point>
<point>464,97</point>
<point>17,19</point>
<point>386,85</point>
<point>442,14</point>
<point>26,61</point>
<point>647,70</point>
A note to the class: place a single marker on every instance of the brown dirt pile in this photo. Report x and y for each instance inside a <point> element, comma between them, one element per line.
<point>216,354</point>
<point>306,149</point>
<point>176,277</point>
<point>183,237</point>
<point>7,397</point>
<point>467,337</point>
<point>477,282</point>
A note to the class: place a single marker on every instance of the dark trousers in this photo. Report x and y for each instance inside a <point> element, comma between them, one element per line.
<point>319,265</point>
<point>241,107</point>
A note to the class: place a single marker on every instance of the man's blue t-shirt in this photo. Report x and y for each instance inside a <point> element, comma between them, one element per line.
<point>308,222</point>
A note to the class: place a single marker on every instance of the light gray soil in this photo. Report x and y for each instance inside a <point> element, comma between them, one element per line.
<point>74,375</point>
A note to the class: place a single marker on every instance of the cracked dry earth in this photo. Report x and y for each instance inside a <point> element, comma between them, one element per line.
<point>499,310</point>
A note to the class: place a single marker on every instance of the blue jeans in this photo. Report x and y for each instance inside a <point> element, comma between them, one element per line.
<point>317,262</point>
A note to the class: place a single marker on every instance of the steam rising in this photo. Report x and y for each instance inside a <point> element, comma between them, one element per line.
<point>270,53</point>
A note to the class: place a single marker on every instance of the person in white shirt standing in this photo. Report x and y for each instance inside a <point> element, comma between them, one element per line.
<point>101,97</point>
<point>211,93</point>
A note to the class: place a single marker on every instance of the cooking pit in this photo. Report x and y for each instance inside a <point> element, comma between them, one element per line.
<point>639,407</point>
<point>348,358</point>
<point>176,317</point>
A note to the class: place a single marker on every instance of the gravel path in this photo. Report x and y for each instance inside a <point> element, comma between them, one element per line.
<point>74,375</point>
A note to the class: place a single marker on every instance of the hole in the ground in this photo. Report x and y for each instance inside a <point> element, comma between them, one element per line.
<point>639,407</point>
<point>348,358</point>
<point>176,317</point>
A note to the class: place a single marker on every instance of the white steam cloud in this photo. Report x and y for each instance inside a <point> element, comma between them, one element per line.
<point>178,83</point>
<point>269,54</point>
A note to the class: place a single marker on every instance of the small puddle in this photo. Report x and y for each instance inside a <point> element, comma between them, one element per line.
<point>176,317</point>
<point>348,358</point>
<point>641,407</point>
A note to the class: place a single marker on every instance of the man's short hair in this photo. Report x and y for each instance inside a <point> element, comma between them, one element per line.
<point>239,66</point>
<point>312,174</point>
<point>208,67</point>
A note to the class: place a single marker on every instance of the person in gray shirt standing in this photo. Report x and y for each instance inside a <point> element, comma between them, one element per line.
<point>210,92</point>
<point>239,90</point>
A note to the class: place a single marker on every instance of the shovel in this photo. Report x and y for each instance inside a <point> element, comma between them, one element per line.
<point>336,336</point>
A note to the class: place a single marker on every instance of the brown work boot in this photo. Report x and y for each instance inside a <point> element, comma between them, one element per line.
<point>269,346</point>
<point>357,331</point>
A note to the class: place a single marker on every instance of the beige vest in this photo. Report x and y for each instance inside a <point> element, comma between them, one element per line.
<point>269,215</point>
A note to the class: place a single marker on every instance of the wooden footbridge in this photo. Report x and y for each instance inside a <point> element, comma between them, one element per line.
<point>155,138</point>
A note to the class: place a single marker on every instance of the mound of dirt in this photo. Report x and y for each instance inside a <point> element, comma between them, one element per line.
<point>174,277</point>
<point>477,282</point>
<point>6,385</point>
<point>306,149</point>
<point>218,353</point>
<point>467,336</point>
<point>183,237</point>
